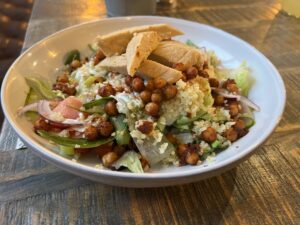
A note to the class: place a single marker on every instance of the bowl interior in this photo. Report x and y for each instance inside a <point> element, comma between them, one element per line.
<point>45,59</point>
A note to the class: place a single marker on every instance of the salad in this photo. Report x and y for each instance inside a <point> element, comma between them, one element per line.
<point>142,99</point>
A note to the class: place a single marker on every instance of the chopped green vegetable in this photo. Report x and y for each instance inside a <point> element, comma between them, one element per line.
<point>216,144</point>
<point>40,88</point>
<point>66,150</point>
<point>131,161</point>
<point>184,120</point>
<point>122,134</point>
<point>97,102</point>
<point>72,55</point>
<point>219,116</point>
<point>32,97</point>
<point>89,81</point>
<point>248,119</point>
<point>70,142</point>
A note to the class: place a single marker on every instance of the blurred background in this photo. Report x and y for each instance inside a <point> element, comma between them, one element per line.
<point>14,16</point>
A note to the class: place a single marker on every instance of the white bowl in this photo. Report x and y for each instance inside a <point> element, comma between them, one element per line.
<point>45,59</point>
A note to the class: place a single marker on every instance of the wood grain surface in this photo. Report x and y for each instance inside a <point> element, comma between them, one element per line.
<point>262,190</point>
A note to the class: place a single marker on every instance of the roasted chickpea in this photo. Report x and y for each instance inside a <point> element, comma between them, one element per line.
<point>150,85</point>
<point>219,100</point>
<point>159,82</point>
<point>178,66</point>
<point>91,133</point>
<point>230,85</point>
<point>109,158</point>
<point>205,65</point>
<point>105,128</point>
<point>156,97</point>
<point>213,82</point>
<point>203,73</point>
<point>152,109</point>
<point>119,150</point>
<point>82,151</point>
<point>65,88</point>
<point>191,72</point>
<point>209,135</point>
<point>171,138</point>
<point>119,89</point>
<point>182,149</point>
<point>41,124</point>
<point>231,134</point>
<point>106,91</point>
<point>233,109</point>
<point>128,80</point>
<point>170,92</point>
<point>239,124</point>
<point>145,96</point>
<point>232,88</point>
<point>99,80</point>
<point>75,64</point>
<point>192,158</point>
<point>63,78</point>
<point>103,149</point>
<point>184,78</point>
<point>146,127</point>
<point>137,84</point>
<point>111,108</point>
<point>240,127</point>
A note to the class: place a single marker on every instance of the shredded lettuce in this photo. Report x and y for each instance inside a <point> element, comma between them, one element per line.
<point>243,78</point>
<point>40,87</point>
<point>131,161</point>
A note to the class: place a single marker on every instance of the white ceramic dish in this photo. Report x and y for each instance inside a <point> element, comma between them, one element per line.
<point>45,59</point>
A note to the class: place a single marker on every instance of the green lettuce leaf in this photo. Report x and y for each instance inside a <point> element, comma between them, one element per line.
<point>131,161</point>
<point>243,78</point>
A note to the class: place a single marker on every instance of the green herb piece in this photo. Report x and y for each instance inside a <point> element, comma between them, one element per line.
<point>192,44</point>
<point>97,102</point>
<point>216,144</point>
<point>72,55</point>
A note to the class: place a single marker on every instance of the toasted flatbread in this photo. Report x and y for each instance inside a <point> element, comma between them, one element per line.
<point>152,69</point>
<point>171,52</point>
<point>117,63</point>
<point>139,48</point>
<point>115,43</point>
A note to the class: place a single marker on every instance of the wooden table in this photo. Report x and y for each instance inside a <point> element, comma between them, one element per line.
<point>262,190</point>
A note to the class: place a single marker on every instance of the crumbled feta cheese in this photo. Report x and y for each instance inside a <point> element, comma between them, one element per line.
<point>163,148</point>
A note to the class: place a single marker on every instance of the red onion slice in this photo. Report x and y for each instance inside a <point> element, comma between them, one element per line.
<point>43,108</point>
<point>240,98</point>
<point>248,102</point>
<point>26,108</point>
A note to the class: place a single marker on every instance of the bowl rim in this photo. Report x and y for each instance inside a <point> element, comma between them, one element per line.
<point>74,167</point>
